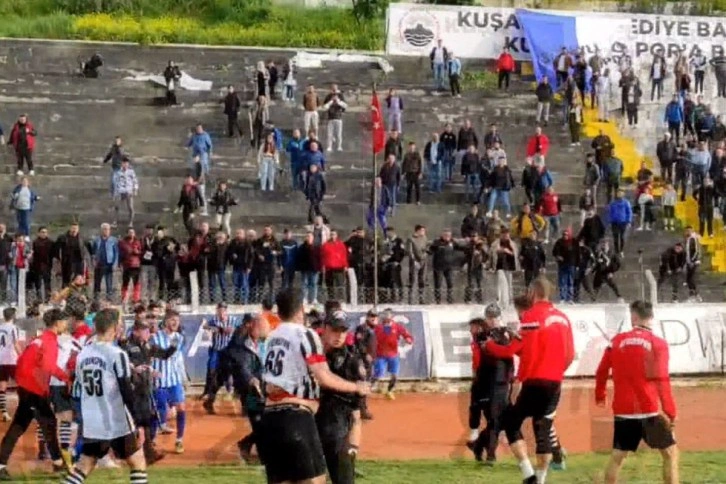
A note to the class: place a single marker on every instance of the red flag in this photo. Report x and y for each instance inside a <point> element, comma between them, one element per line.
<point>379,132</point>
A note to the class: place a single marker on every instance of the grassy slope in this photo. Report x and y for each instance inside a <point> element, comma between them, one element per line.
<point>643,468</point>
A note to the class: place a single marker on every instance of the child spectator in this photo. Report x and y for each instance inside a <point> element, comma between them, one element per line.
<point>645,204</point>
<point>669,207</point>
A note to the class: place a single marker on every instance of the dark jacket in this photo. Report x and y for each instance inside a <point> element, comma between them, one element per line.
<point>492,137</point>
<point>359,250</point>
<point>445,257</point>
<point>308,258</point>
<point>189,198</point>
<point>603,147</point>
<point>466,138</point>
<point>394,147</point>
<point>115,155</point>
<point>247,357</point>
<point>390,175</point>
<point>412,163</point>
<point>473,225</point>
<point>529,177</point>
<point>705,197</point>
<point>672,261</point>
<point>315,187</point>
<point>288,254</point>
<point>565,252</point>
<point>69,250</point>
<point>493,375</point>
<point>544,92</point>
<point>470,164</point>
<point>532,256</point>
<point>241,255</point>
<point>140,354</point>
<point>217,257</point>
<point>448,140</point>
<point>501,178</point>
<point>222,200</point>
<point>267,250</point>
<point>333,417</point>
<point>666,152</point>
<point>5,242</point>
<point>232,105</point>
<point>592,231</point>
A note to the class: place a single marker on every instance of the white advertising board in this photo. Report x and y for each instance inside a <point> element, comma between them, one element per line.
<point>482,32</point>
<point>693,333</point>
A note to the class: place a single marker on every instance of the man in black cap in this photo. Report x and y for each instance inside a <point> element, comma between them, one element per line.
<point>365,346</point>
<point>140,353</point>
<point>338,417</point>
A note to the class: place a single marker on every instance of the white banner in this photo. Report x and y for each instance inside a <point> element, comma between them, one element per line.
<point>693,333</point>
<point>482,32</point>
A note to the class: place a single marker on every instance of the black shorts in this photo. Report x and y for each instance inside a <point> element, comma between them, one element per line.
<point>123,447</point>
<point>60,399</point>
<point>538,399</point>
<point>7,372</point>
<point>289,444</point>
<point>654,431</point>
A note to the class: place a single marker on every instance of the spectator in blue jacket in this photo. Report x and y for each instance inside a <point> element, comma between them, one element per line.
<point>23,202</point>
<point>312,156</point>
<point>434,157</point>
<point>620,214</point>
<point>700,164</point>
<point>674,117</point>
<point>105,256</point>
<point>288,259</point>
<point>296,154</point>
<point>200,144</point>
<point>315,188</point>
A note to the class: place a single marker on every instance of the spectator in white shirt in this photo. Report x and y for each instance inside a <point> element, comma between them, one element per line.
<point>439,58</point>
<point>125,188</point>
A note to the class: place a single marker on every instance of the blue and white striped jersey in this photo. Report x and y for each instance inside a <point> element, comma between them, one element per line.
<point>171,370</point>
<point>220,340</point>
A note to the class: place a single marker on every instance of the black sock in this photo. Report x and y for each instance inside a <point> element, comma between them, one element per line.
<point>391,383</point>
<point>3,402</point>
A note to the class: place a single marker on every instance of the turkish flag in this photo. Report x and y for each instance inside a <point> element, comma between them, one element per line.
<point>379,132</point>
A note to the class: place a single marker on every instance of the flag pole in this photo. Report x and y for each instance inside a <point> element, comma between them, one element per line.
<point>375,215</point>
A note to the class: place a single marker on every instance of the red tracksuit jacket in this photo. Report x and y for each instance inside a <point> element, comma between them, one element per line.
<point>334,255</point>
<point>37,363</point>
<point>638,360</point>
<point>387,336</point>
<point>547,347</point>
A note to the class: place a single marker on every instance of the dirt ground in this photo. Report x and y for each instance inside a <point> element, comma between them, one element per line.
<point>434,426</point>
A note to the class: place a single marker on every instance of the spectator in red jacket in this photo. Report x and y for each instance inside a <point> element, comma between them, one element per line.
<point>334,259</point>
<point>387,334</point>
<point>36,365</point>
<point>130,250</point>
<point>546,349</point>
<point>538,145</point>
<point>505,67</point>
<point>22,138</point>
<point>550,208</point>
<point>638,362</point>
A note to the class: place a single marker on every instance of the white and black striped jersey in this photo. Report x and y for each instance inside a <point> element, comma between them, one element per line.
<point>171,370</point>
<point>289,350</point>
<point>67,345</point>
<point>103,372</point>
<point>220,340</point>
<point>9,335</point>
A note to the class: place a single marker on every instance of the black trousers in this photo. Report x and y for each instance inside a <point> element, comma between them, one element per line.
<point>619,236</point>
<point>504,79</point>
<point>413,184</point>
<point>474,279</point>
<point>41,283</point>
<point>581,281</point>
<point>31,407</point>
<point>314,210</point>
<point>233,125</point>
<point>392,282</point>
<point>705,221</point>
<point>335,282</point>
<point>674,278</point>
<point>601,278</point>
<point>3,284</point>
<point>699,75</point>
<point>333,427</point>
<point>416,282</point>
<point>255,417</point>
<point>632,115</point>
<point>493,408</point>
<point>454,84</point>
<point>70,270</point>
<point>666,172</point>
<point>447,276</point>
<point>24,157</point>
<point>691,281</point>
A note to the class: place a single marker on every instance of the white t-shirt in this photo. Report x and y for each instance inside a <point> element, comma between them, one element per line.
<point>561,63</point>
<point>289,350</point>
<point>438,55</point>
<point>105,416</point>
<point>9,335</point>
<point>67,345</point>
<point>656,70</point>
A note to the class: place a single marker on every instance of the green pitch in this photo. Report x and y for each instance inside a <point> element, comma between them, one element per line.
<point>696,467</point>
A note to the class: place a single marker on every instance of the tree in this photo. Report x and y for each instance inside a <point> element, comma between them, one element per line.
<point>368,9</point>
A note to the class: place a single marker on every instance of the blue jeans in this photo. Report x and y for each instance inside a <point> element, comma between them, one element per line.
<point>103,273</point>
<point>435,177</point>
<point>267,174</point>
<point>553,227</point>
<point>296,175</point>
<point>566,282</point>
<point>381,214</point>
<point>449,163</point>
<point>392,195</point>
<point>215,277</point>
<point>310,286</point>
<point>241,281</point>
<point>212,359</point>
<point>471,182</point>
<point>439,73</point>
<point>23,217</point>
<point>496,196</point>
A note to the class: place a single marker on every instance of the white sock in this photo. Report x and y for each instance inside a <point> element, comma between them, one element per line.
<point>2,466</point>
<point>526,467</point>
<point>473,434</point>
<point>541,476</point>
